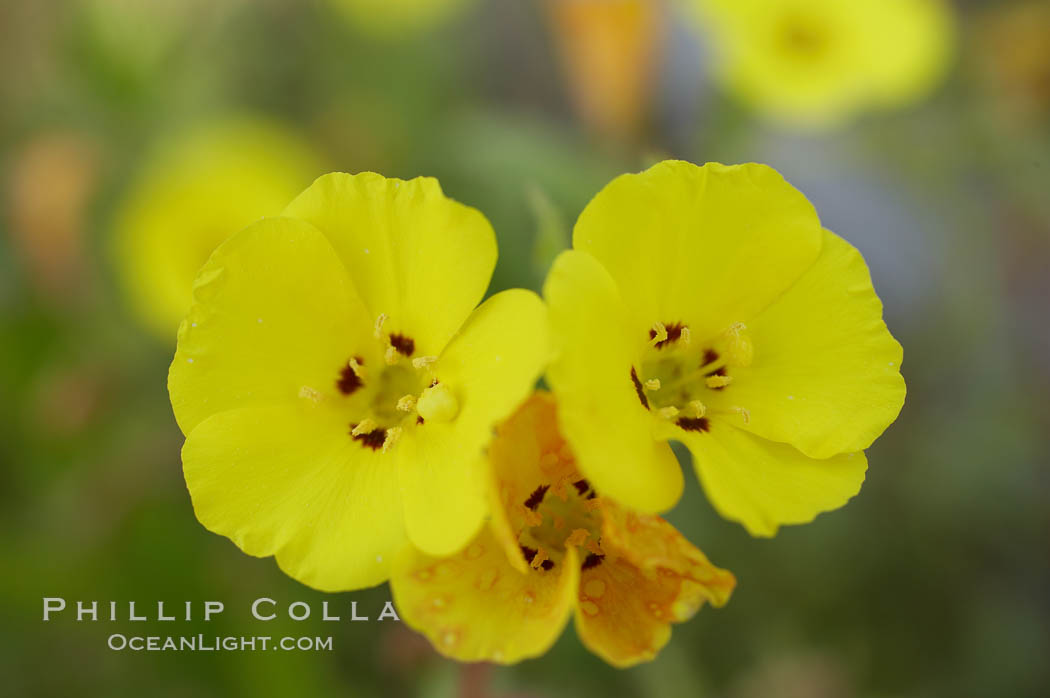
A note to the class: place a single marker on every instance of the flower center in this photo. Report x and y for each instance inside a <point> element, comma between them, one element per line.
<point>676,377</point>
<point>400,393</point>
<point>559,514</point>
<point>802,37</point>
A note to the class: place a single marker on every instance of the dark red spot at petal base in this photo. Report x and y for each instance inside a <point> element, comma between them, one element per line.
<point>405,345</point>
<point>348,381</point>
<point>373,439</point>
<point>591,560</point>
<point>710,356</point>
<point>639,389</point>
<point>694,423</point>
<point>581,486</point>
<point>536,497</point>
<point>674,333</point>
<point>547,565</point>
<point>419,420</point>
<point>528,552</point>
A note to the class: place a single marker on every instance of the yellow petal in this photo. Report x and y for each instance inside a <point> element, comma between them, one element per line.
<point>415,255</point>
<point>600,412</point>
<point>289,481</point>
<point>273,313</point>
<point>763,484</point>
<point>204,186</point>
<point>826,373</point>
<point>476,607</point>
<point>628,600</point>
<point>490,367</point>
<point>707,246</point>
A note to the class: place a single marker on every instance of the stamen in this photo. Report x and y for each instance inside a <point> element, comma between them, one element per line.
<point>532,518</point>
<point>406,403</point>
<point>390,357</point>
<point>540,558</point>
<point>392,435</point>
<point>657,334</point>
<point>578,537</point>
<point>592,503</point>
<point>378,332</point>
<point>652,384</point>
<point>697,408</point>
<point>743,412</point>
<point>309,393</point>
<point>739,349</point>
<point>595,547</point>
<point>687,336</point>
<point>717,381</point>
<point>667,412</point>
<point>352,376</point>
<point>365,426</point>
<point>421,362</point>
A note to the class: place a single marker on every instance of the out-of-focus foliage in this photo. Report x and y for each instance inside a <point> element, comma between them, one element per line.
<point>932,582</point>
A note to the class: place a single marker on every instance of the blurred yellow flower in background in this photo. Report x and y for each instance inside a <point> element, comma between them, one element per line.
<point>706,305</point>
<point>336,383</point>
<point>554,548</point>
<point>397,18</point>
<point>818,62</point>
<point>195,191</point>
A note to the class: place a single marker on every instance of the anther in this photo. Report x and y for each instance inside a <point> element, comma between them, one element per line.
<point>378,332</point>
<point>540,558</point>
<point>687,336</point>
<point>717,381</point>
<point>592,504</point>
<point>356,367</point>
<point>391,355</point>
<point>578,537</point>
<point>653,384</point>
<point>365,426</point>
<point>667,412</point>
<point>743,412</point>
<point>532,518</point>
<point>697,409</point>
<point>391,438</point>
<point>310,393</point>
<point>658,333</point>
<point>595,547</point>
<point>421,362</point>
<point>739,350</point>
<point>406,403</point>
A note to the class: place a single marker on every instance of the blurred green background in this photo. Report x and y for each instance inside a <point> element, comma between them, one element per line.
<point>934,581</point>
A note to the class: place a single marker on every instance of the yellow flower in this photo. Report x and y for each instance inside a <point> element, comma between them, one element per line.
<point>200,188</point>
<point>554,547</point>
<point>706,305</point>
<point>816,62</point>
<point>337,385</point>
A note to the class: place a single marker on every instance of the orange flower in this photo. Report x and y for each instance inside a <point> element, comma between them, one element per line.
<point>554,545</point>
